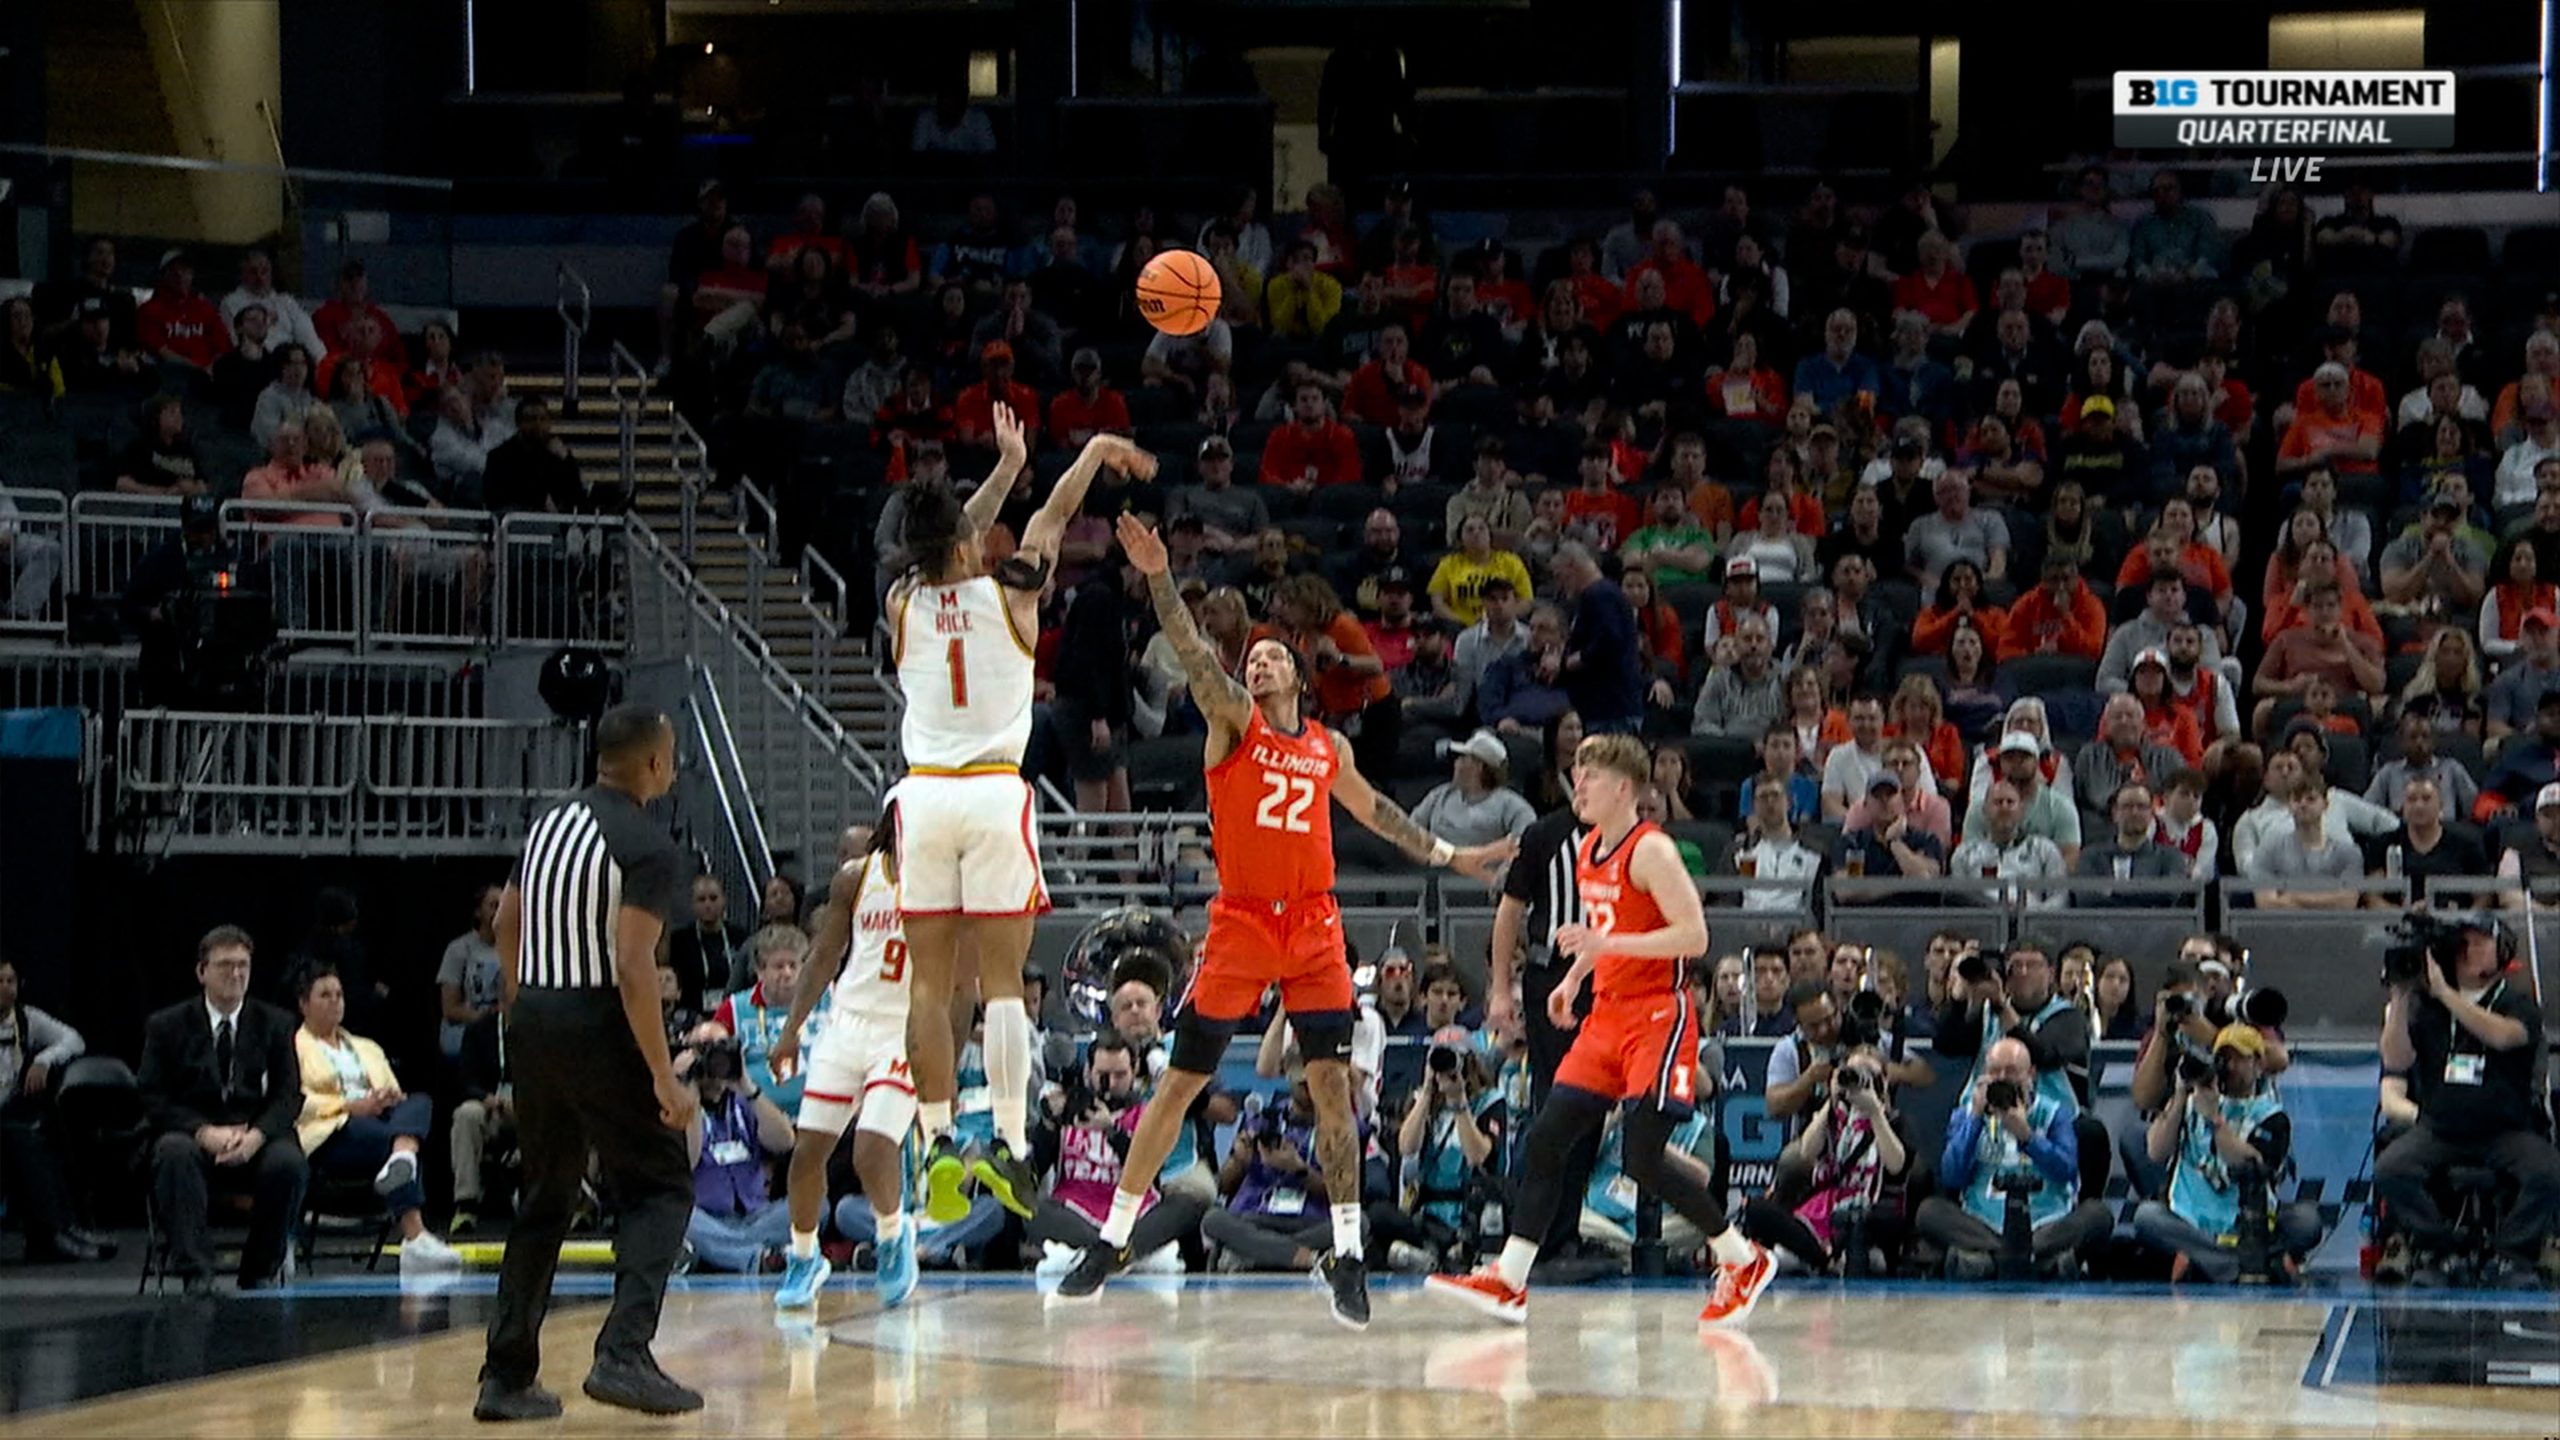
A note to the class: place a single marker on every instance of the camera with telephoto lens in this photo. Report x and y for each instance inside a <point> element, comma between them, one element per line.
<point>2003,1095</point>
<point>2194,1070</point>
<point>718,1060</point>
<point>1975,967</point>
<point>2177,1004</point>
<point>2418,938</point>
<point>1849,1080</point>
<point>1443,1060</point>
<point>2265,1009</point>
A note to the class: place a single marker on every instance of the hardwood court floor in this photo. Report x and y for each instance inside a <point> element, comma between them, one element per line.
<point>1260,1357</point>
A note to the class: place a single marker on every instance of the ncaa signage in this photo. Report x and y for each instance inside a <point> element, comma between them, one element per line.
<point>2284,110</point>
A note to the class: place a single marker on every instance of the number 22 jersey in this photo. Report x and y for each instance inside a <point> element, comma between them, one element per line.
<point>1271,812</point>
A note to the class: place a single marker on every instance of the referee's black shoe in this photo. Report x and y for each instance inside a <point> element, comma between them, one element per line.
<point>638,1384</point>
<point>1346,1279</point>
<point>1098,1263</point>
<point>500,1401</point>
<point>1009,1178</point>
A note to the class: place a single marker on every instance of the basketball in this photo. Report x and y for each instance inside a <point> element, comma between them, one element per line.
<point>1178,292</point>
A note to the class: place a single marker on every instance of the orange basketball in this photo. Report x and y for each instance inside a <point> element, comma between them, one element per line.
<point>1178,292</point>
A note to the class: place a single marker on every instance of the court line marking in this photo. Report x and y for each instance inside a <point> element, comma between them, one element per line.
<point>2346,1327</point>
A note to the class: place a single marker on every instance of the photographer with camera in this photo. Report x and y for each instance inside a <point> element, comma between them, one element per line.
<point>2204,990</point>
<point>2012,1159</point>
<point>2469,1036</point>
<point>2226,1139</point>
<point>1277,1214</point>
<point>1801,1066</point>
<point>202,614</point>
<point>1849,1152</point>
<point>1450,1139</point>
<point>2014,996</point>
<point>1081,1142</point>
<point>736,1225</point>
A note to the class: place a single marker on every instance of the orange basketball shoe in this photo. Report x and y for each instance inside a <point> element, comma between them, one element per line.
<point>1738,1288</point>
<point>1485,1292</point>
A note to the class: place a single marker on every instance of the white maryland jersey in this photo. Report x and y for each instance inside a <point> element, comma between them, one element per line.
<point>873,981</point>
<point>966,673</point>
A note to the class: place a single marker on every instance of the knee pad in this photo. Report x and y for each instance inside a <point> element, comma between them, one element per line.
<point>1325,1035</point>
<point>1200,1043</point>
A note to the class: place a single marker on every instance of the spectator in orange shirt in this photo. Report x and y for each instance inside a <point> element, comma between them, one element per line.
<point>2541,357</point>
<point>1413,282</point>
<point>2048,294</point>
<point>1090,408</point>
<point>177,325</point>
<point>1313,450</point>
<point>2365,393</point>
<point>1785,488</point>
<point>2199,562</point>
<point>1938,289</point>
<point>1597,512</point>
<point>973,410</point>
<point>2330,431</point>
<point>1920,716</point>
<point>1371,396</point>
<point>1745,389</point>
<point>1959,598</point>
<point>2289,584</point>
<point>1601,300</point>
<point>1710,504</point>
<point>363,353</point>
<point>336,320</point>
<point>2166,722</point>
<point>2061,616</point>
<point>1685,287</point>
<point>808,231</point>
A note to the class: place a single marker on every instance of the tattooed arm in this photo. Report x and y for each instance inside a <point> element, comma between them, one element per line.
<point>1387,820</point>
<point>1221,699</point>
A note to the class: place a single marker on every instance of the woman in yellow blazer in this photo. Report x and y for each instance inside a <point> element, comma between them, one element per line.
<point>355,1118</point>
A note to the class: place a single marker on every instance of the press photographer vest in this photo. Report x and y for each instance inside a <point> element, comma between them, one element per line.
<point>2053,1085</point>
<point>2000,1153</point>
<point>2201,1191</point>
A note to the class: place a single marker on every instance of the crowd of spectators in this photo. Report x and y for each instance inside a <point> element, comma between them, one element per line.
<point>1720,477</point>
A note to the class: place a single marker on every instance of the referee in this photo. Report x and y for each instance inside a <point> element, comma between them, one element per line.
<point>1539,896</point>
<point>578,928</point>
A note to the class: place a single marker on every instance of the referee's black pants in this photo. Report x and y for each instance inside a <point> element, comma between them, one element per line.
<point>1547,1045</point>
<point>580,1083</point>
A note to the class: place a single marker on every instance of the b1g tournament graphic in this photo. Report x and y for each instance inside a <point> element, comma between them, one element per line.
<point>2316,110</point>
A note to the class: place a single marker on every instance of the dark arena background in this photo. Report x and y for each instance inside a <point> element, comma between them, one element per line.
<point>2091,611</point>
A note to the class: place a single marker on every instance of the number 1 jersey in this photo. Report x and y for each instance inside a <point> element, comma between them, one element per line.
<point>965,673</point>
<point>1271,812</point>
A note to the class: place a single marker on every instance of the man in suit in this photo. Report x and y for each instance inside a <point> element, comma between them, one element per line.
<point>224,1088</point>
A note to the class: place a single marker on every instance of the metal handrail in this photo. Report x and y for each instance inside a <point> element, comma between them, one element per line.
<point>737,834</point>
<point>759,849</point>
<point>622,365</point>
<point>573,330</point>
<point>691,479</point>
<point>839,613</point>
<point>865,765</point>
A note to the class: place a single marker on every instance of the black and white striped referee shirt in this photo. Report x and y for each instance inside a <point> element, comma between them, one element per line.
<point>589,857</point>
<point>1542,879</point>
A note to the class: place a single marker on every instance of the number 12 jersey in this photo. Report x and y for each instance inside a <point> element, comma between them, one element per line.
<point>1271,812</point>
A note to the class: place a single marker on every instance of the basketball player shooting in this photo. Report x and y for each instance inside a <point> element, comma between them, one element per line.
<point>969,871</point>
<point>858,1073</point>
<point>1273,777</point>
<point>1640,1046</point>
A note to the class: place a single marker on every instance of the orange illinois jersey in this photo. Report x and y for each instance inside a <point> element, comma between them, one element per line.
<point>1271,812</point>
<point>1613,905</point>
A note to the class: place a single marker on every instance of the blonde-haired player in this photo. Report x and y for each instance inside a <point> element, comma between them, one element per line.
<point>858,1069</point>
<point>1639,1047</point>
<point>969,870</point>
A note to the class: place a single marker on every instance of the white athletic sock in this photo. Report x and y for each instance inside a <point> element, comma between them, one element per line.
<point>804,1244</point>
<point>1729,1246</point>
<point>1008,1056</point>
<point>889,1226</point>
<point>1346,1231</point>
<point>935,1116</point>
<point>1513,1263</point>
<point>1124,1215</point>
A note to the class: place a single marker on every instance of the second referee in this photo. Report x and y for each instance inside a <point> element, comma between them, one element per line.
<point>578,931</point>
